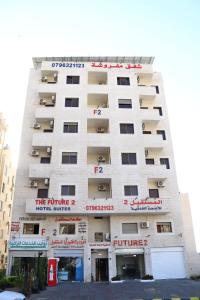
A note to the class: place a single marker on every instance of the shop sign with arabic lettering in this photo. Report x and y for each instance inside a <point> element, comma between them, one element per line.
<point>28,244</point>
<point>149,204</point>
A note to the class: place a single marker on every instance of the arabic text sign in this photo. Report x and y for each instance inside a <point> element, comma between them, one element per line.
<point>116,66</point>
<point>60,243</point>
<point>28,244</point>
<point>144,205</point>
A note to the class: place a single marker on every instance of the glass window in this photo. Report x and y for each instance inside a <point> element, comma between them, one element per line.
<point>149,161</point>
<point>67,229</point>
<point>123,80</point>
<point>159,110</point>
<point>45,160</point>
<point>98,236</point>
<point>125,103</point>
<point>42,193</point>
<point>165,161</point>
<point>129,159</point>
<point>67,190</point>
<point>70,127</point>
<point>69,157</point>
<point>131,190</point>
<point>153,193</point>
<point>162,132</point>
<point>30,228</point>
<point>129,228</point>
<point>126,128</point>
<point>73,79</point>
<point>3,187</point>
<point>164,227</point>
<point>71,102</point>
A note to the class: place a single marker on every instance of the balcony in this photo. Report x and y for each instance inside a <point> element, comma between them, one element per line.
<point>98,155</point>
<point>99,229</point>
<point>49,77</point>
<point>99,189</point>
<point>98,126</point>
<point>44,124</point>
<point>47,99</point>
<point>97,78</point>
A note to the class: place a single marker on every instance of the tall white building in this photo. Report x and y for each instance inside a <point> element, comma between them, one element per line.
<point>96,183</point>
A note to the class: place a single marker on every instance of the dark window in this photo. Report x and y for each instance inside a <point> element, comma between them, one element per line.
<point>143,107</point>
<point>42,193</point>
<point>157,89</point>
<point>163,227</point>
<point>165,161</point>
<point>70,127</point>
<point>67,190</point>
<point>3,187</point>
<point>45,160</point>
<point>146,132</point>
<point>48,130</point>
<point>153,193</point>
<point>30,228</point>
<point>73,79</point>
<point>129,228</point>
<point>130,190</point>
<point>129,159</point>
<point>123,81</point>
<point>98,236</point>
<point>67,229</point>
<point>125,103</point>
<point>159,110</point>
<point>69,157</point>
<point>126,128</point>
<point>71,102</point>
<point>149,161</point>
<point>162,132</point>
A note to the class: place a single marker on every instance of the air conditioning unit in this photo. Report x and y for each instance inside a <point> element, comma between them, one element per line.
<point>36,125</point>
<point>46,181</point>
<point>144,225</point>
<point>160,184</point>
<point>146,153</point>
<point>101,158</point>
<point>55,75</point>
<point>53,99</point>
<point>49,150</point>
<point>143,126</point>
<point>101,187</point>
<point>44,79</point>
<point>33,184</point>
<point>100,130</point>
<point>51,123</point>
<point>107,236</point>
<point>43,101</point>
<point>35,153</point>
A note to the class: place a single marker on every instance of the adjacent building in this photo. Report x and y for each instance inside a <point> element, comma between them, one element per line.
<point>96,183</point>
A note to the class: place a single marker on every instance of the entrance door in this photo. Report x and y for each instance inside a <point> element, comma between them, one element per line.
<point>101,269</point>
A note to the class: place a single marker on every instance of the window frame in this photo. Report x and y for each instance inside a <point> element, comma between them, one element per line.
<point>45,195</point>
<point>129,233</point>
<point>34,229</point>
<point>128,158</point>
<point>67,224</point>
<point>131,194</point>
<point>73,79</point>
<point>164,223</point>
<point>126,128</point>
<point>123,80</point>
<point>72,99</point>
<point>125,105</point>
<point>151,190</point>
<point>68,186</point>
<point>69,155</point>
<point>70,124</point>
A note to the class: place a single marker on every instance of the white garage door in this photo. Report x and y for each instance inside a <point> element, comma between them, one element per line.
<point>168,263</point>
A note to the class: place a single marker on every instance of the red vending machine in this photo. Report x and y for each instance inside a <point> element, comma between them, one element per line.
<point>52,271</point>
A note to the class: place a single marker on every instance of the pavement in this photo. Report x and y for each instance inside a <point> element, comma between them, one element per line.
<point>160,289</point>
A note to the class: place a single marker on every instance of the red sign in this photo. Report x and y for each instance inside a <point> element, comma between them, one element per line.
<point>116,66</point>
<point>130,243</point>
<point>52,271</point>
<point>70,219</point>
<point>67,243</point>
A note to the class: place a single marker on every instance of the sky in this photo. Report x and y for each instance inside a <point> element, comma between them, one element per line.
<point>166,29</point>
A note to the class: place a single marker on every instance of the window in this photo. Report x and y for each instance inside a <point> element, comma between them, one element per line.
<point>125,103</point>
<point>163,227</point>
<point>69,157</point>
<point>162,132</point>
<point>1,205</point>
<point>70,127</point>
<point>48,130</point>
<point>71,102</point>
<point>146,132</point>
<point>42,193</point>
<point>67,229</point>
<point>1,233</point>
<point>30,228</point>
<point>129,228</point>
<point>131,190</point>
<point>149,161</point>
<point>127,128</point>
<point>73,79</point>
<point>98,236</point>
<point>157,89</point>
<point>153,193</point>
<point>67,190</point>
<point>3,187</point>
<point>45,160</point>
<point>129,159</point>
<point>159,110</point>
<point>165,161</point>
<point>123,81</point>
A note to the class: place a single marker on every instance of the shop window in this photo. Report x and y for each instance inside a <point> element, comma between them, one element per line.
<point>163,227</point>
<point>45,160</point>
<point>165,161</point>
<point>31,228</point>
<point>69,157</point>
<point>129,228</point>
<point>129,158</point>
<point>131,190</point>
<point>73,79</point>
<point>125,103</point>
<point>123,80</point>
<point>71,102</point>
<point>42,193</point>
<point>153,193</point>
<point>127,128</point>
<point>98,236</point>
<point>67,190</point>
<point>67,229</point>
<point>70,127</point>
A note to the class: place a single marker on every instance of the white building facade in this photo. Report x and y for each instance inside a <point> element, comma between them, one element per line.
<point>96,183</point>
